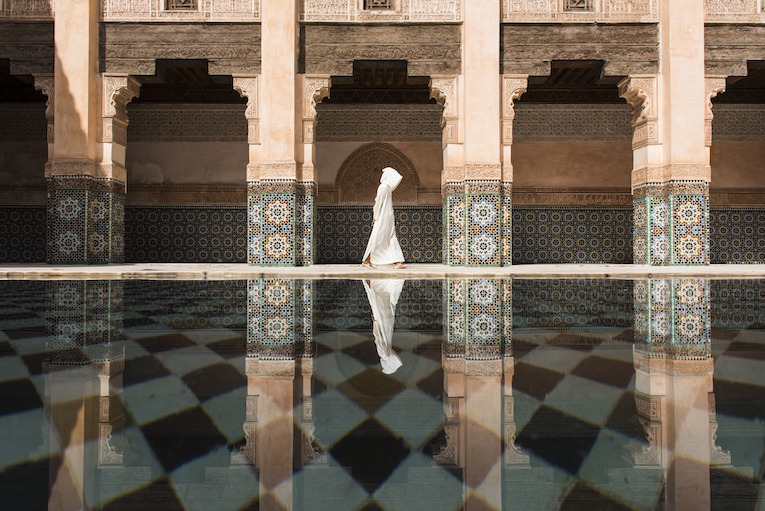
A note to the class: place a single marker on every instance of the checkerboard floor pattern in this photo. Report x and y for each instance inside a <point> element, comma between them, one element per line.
<point>184,390</point>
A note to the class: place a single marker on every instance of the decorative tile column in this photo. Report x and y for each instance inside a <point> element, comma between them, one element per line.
<point>85,216</point>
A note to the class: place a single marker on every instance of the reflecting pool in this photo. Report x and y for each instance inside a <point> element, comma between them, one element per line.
<point>382,394</point>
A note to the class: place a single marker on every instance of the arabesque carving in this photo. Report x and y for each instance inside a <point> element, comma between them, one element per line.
<point>153,10</point>
<point>713,85</point>
<point>118,91</point>
<point>614,11</point>
<point>406,10</point>
<point>734,11</point>
<point>247,87</point>
<point>641,92</point>
<point>27,9</point>
<point>513,86</point>
<point>360,173</point>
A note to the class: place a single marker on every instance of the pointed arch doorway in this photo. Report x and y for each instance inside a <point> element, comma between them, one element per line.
<point>378,117</point>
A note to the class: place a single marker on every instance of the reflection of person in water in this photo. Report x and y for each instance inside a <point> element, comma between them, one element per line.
<point>383,296</point>
<point>383,246</point>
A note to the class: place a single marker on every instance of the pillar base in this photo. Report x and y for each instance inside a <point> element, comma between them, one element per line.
<point>86,220</point>
<point>671,223</point>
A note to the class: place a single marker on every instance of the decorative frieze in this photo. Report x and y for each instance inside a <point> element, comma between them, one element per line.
<point>378,122</point>
<point>542,122</point>
<point>27,9</point>
<point>406,10</point>
<point>734,11</point>
<point>738,122</point>
<point>187,123</point>
<point>602,11</point>
<point>155,10</point>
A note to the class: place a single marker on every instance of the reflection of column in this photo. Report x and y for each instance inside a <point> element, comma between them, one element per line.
<point>479,323</point>
<point>673,387</point>
<point>83,368</point>
<point>279,318</point>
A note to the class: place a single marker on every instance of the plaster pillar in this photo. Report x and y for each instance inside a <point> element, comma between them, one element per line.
<point>247,87</point>
<point>473,196</point>
<point>279,182</point>
<point>80,191</point>
<point>671,173</point>
<point>314,89</point>
<point>273,382</point>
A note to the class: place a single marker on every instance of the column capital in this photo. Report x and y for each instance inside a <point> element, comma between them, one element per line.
<point>713,85</point>
<point>118,91</point>
<point>641,92</point>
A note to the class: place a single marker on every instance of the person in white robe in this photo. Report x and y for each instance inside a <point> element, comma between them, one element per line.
<point>383,247</point>
<point>383,296</point>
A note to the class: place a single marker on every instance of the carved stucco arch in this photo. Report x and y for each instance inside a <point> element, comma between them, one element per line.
<point>359,175</point>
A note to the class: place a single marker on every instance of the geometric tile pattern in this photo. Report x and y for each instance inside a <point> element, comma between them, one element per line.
<point>84,321</point>
<point>737,304</point>
<point>278,229</point>
<point>574,410</point>
<point>479,318</point>
<point>483,225</point>
<point>737,235</point>
<point>85,218</point>
<point>571,235</point>
<point>672,317</point>
<point>279,318</point>
<point>566,304</point>
<point>673,218</point>
<point>306,213</point>
<point>200,234</point>
<point>455,237</point>
<point>22,234</point>
<point>342,233</point>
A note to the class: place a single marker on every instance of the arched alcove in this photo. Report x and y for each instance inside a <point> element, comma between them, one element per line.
<point>359,175</point>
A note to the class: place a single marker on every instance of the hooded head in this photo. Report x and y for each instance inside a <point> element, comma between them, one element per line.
<point>391,177</point>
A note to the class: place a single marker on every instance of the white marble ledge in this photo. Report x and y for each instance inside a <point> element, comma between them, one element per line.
<point>199,271</point>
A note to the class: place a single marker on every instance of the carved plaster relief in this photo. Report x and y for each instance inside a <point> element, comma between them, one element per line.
<point>44,83</point>
<point>713,85</point>
<point>641,92</point>
<point>444,90</point>
<point>513,86</point>
<point>247,87</point>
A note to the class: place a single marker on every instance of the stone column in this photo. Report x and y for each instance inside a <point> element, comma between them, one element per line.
<point>673,388</point>
<point>473,197</point>
<point>278,188</point>
<point>81,216</point>
<point>513,86</point>
<point>670,177</point>
<point>247,87</point>
<point>315,88</point>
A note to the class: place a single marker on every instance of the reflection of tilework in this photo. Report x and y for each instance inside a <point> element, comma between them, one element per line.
<point>342,233</point>
<point>484,324</point>
<point>483,229</point>
<point>571,235</point>
<point>691,229</point>
<point>572,303</point>
<point>201,234</point>
<point>737,235</point>
<point>672,317</point>
<point>738,304</point>
<point>345,308</point>
<point>84,320</point>
<point>22,234</point>
<point>279,318</point>
<point>455,317</point>
<point>278,229</point>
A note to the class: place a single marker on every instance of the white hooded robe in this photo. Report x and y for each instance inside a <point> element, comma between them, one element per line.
<point>383,296</point>
<point>383,247</point>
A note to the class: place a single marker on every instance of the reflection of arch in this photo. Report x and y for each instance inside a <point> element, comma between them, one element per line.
<point>359,175</point>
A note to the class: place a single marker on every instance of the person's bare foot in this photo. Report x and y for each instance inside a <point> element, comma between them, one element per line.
<point>367,264</point>
<point>400,266</point>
